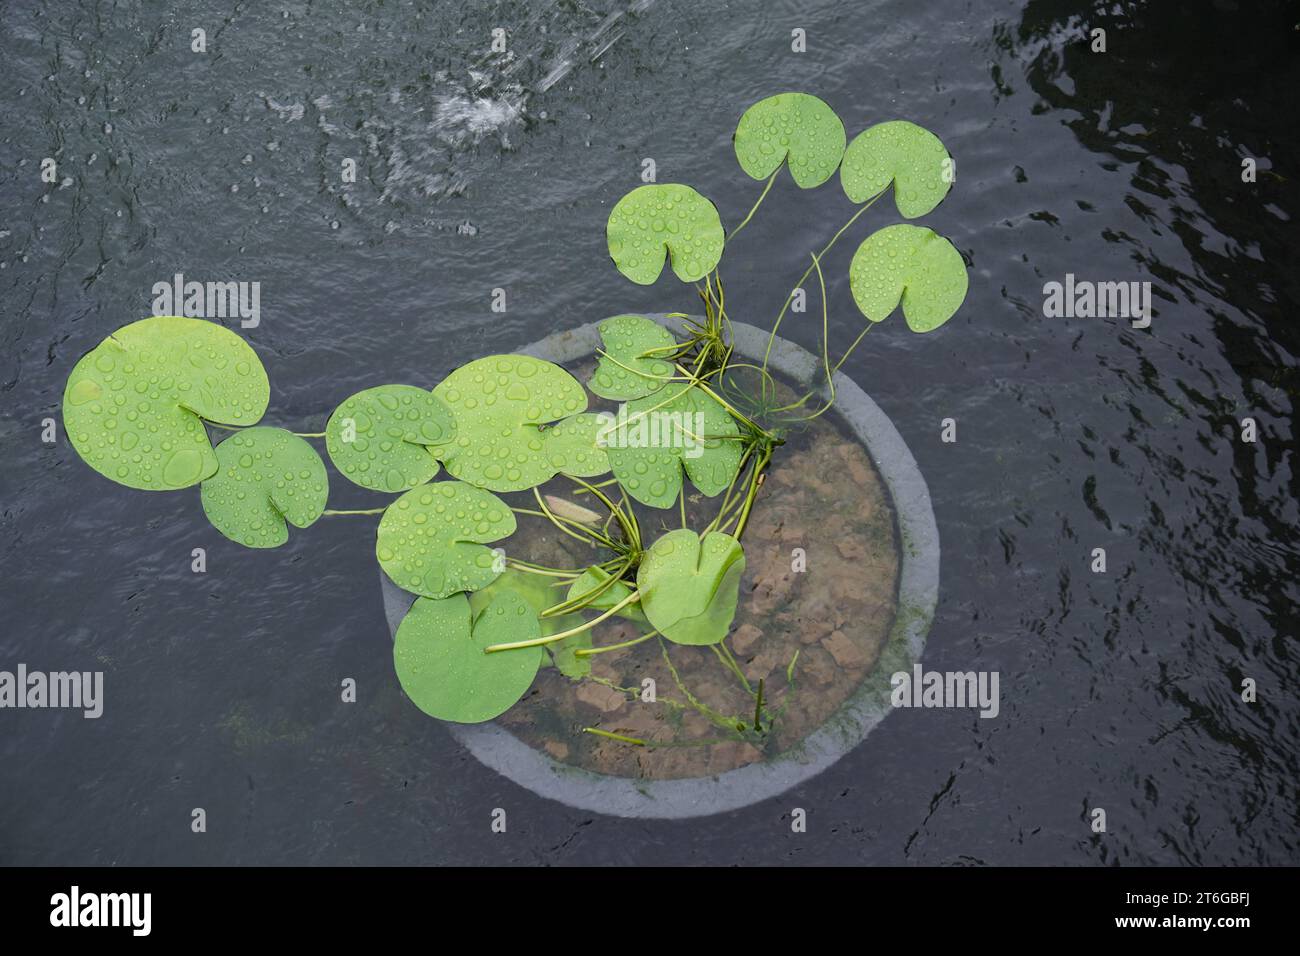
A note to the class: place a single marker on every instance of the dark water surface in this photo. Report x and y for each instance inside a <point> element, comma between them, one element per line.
<point>482,171</point>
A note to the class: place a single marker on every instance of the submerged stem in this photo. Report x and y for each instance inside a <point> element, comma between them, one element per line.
<point>730,663</point>
<point>767,354</point>
<point>618,737</point>
<point>588,651</point>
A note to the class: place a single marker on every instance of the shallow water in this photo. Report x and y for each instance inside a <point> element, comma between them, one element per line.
<point>480,171</point>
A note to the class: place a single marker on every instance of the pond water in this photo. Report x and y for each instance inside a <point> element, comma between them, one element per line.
<point>480,171</point>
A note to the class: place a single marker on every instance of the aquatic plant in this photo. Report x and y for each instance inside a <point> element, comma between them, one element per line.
<point>138,406</point>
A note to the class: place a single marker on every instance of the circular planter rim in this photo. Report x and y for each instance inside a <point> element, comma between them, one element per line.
<point>918,591</point>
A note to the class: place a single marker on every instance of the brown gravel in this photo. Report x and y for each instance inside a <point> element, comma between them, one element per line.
<point>822,495</point>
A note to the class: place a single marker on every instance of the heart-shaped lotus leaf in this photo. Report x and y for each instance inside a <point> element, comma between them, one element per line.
<point>501,404</point>
<point>380,438</point>
<point>265,477</point>
<point>635,363</point>
<point>794,126</point>
<point>441,664</point>
<point>591,580</point>
<point>653,439</point>
<point>913,264</point>
<point>133,406</point>
<point>909,156</point>
<point>664,217</point>
<point>541,593</point>
<point>689,586</point>
<point>431,539</point>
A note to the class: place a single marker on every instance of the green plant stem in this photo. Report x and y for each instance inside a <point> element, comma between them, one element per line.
<point>540,641</point>
<point>363,511</point>
<point>533,566</point>
<point>767,354</point>
<point>589,651</point>
<point>722,721</point>
<point>761,196</point>
<point>727,499</point>
<point>699,382</point>
<point>843,358</point>
<point>577,537</point>
<point>627,521</point>
<point>618,737</point>
<point>758,708</point>
<point>627,368</point>
<point>566,524</point>
<point>603,484</point>
<point>730,663</point>
<point>584,600</point>
<point>755,481</point>
<point>550,574</point>
<point>826,348</point>
<point>310,434</point>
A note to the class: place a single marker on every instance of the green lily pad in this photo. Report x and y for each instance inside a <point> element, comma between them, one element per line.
<point>909,156</point>
<point>431,539</point>
<point>572,446</point>
<point>381,438</point>
<point>794,126</point>
<point>664,217</point>
<point>653,439</point>
<point>440,660</point>
<point>633,366</point>
<point>913,264</point>
<point>689,586</point>
<point>500,404</point>
<point>134,405</point>
<point>265,477</point>
<point>540,595</point>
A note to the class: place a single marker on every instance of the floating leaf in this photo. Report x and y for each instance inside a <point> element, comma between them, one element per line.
<point>500,403</point>
<point>572,446</point>
<point>689,587</point>
<point>909,156</point>
<point>654,438</point>
<point>431,539</point>
<point>664,216</point>
<point>913,264</point>
<point>633,366</point>
<point>440,660</point>
<point>133,406</point>
<point>797,126</point>
<point>264,477</point>
<point>381,438</point>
